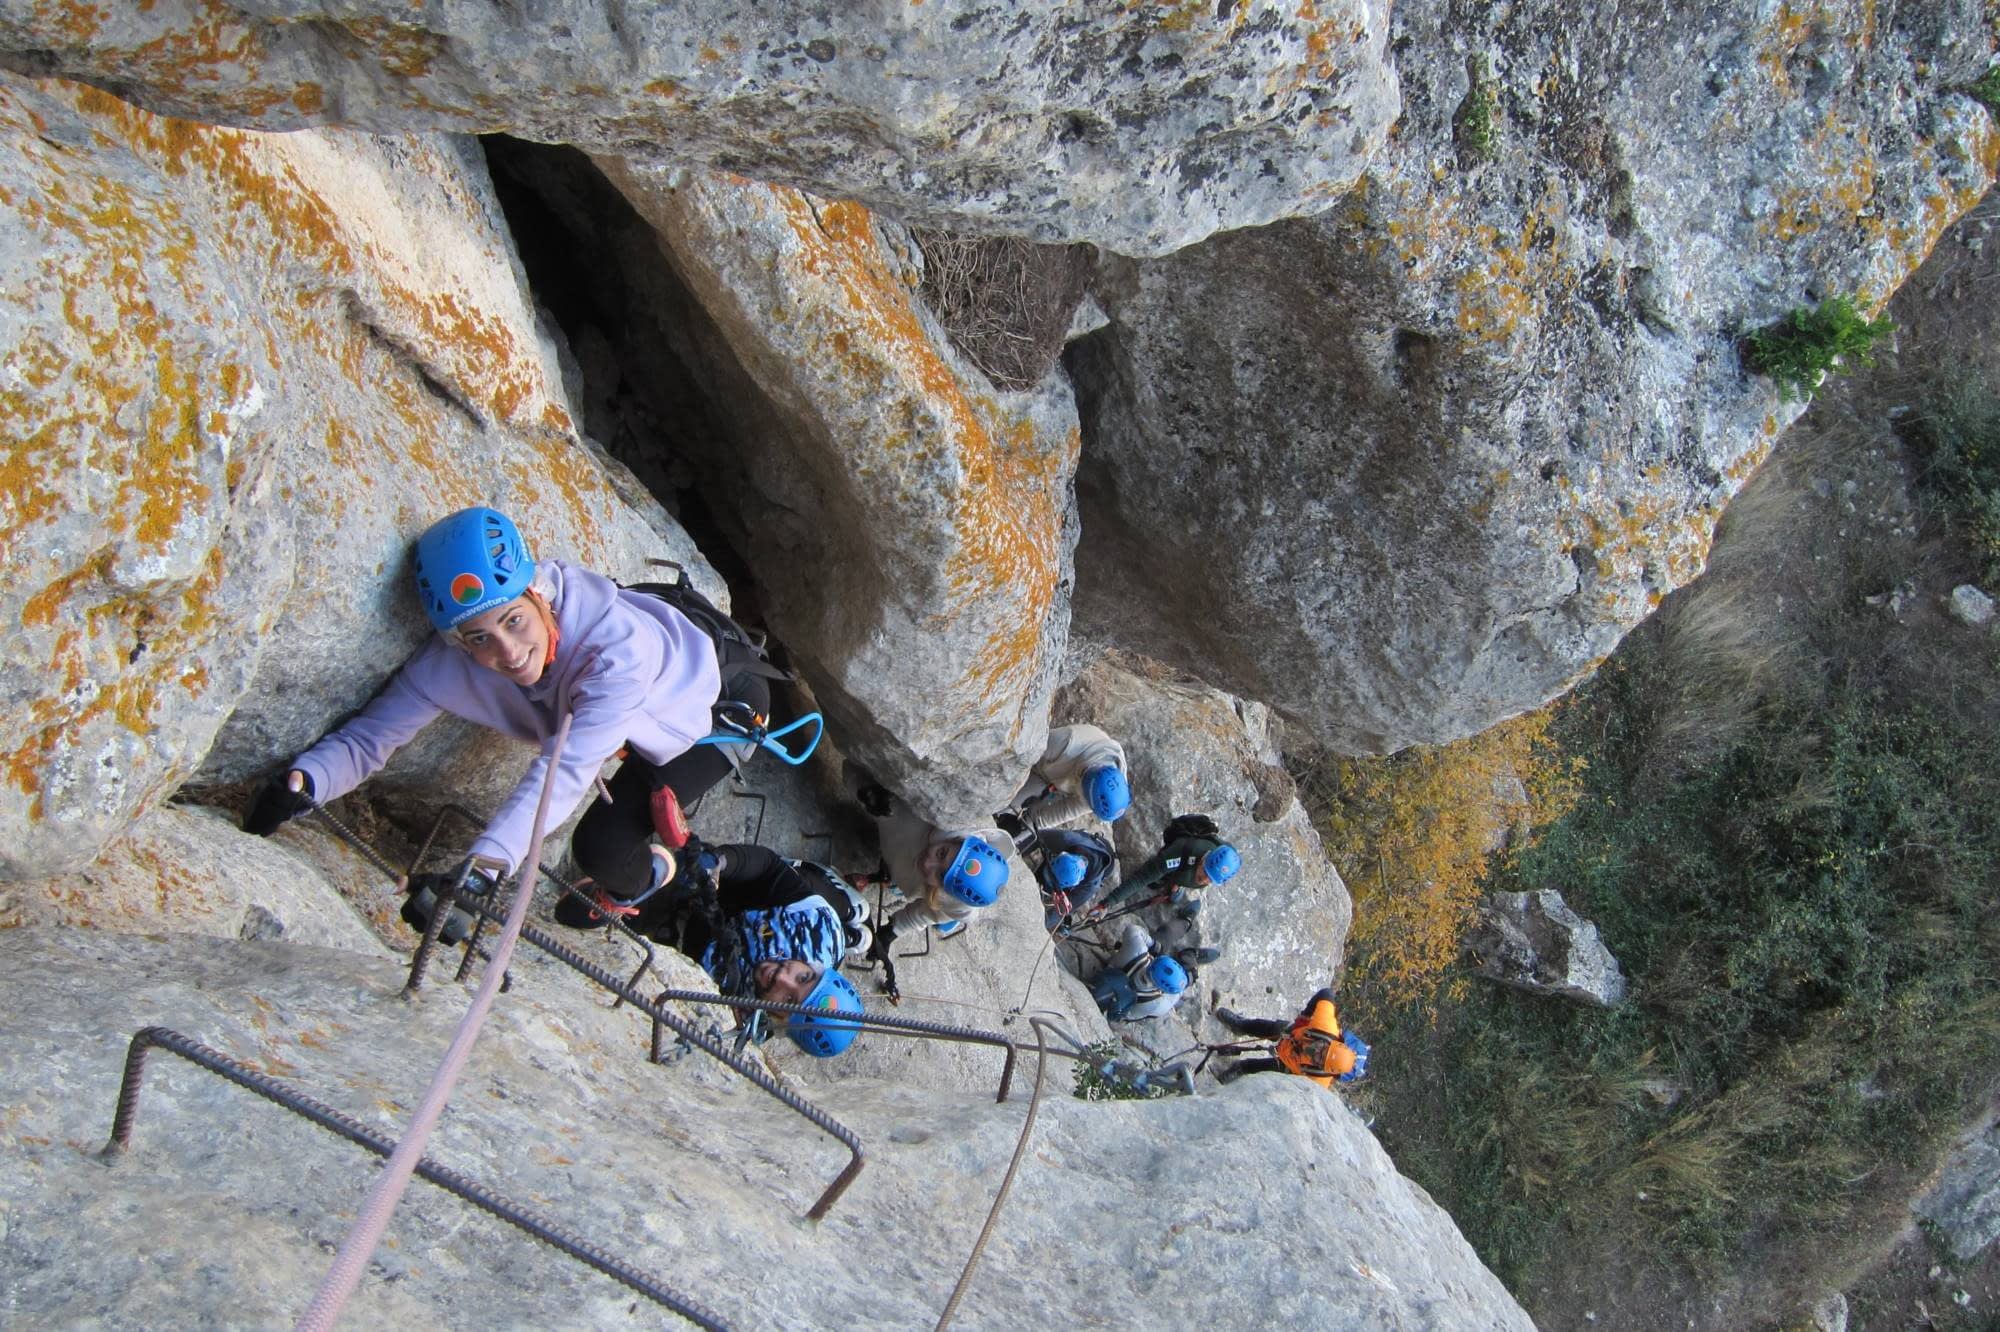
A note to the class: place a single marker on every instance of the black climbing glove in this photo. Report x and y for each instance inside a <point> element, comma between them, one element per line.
<point>878,951</point>
<point>427,890</point>
<point>278,804</point>
<point>876,800</point>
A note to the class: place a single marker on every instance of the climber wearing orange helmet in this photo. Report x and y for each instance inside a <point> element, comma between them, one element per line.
<point>1312,1046</point>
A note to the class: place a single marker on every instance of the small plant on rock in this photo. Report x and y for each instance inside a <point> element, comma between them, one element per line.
<point>1806,345</point>
<point>1092,1085</point>
<point>1986,88</point>
<point>1473,124</point>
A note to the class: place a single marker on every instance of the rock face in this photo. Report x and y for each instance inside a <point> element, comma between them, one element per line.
<point>1282,921</point>
<point>909,525</point>
<point>1964,1204</point>
<point>190,870</point>
<point>687,1172</point>
<point>1534,942</point>
<point>1141,129</point>
<point>244,371</point>
<point>1410,467</point>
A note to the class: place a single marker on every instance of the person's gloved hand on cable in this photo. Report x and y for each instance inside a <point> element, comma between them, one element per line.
<point>878,951</point>
<point>281,800</point>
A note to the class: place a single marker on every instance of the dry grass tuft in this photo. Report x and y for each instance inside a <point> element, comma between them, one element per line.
<point>1006,303</point>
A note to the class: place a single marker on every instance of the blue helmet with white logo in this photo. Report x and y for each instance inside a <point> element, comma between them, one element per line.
<point>826,1036</point>
<point>1167,975</point>
<point>469,563</point>
<point>976,874</point>
<point>1110,795</point>
<point>1221,864</point>
<point>1067,870</point>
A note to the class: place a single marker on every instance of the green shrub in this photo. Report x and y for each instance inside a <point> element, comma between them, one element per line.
<point>1987,88</point>
<point>1956,429</point>
<point>1808,344</point>
<point>1092,1085</point>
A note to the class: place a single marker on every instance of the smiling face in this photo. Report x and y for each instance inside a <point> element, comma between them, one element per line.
<point>787,982</point>
<point>512,639</point>
<point>936,859</point>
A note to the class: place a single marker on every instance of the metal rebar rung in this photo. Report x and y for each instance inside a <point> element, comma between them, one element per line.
<point>335,1122</point>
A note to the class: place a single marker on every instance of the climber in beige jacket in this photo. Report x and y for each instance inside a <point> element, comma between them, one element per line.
<point>1082,771</point>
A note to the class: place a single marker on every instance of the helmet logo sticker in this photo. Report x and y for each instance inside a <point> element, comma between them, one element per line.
<point>466,589</point>
<point>972,868</point>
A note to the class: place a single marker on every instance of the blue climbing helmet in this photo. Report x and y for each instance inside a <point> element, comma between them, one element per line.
<point>976,874</point>
<point>1360,1048</point>
<point>1167,975</point>
<point>1221,864</point>
<point>1068,870</point>
<point>824,1036</point>
<point>1110,795</point>
<point>469,563</point>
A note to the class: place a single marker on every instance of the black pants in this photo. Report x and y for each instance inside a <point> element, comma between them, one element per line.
<point>613,840</point>
<point>1231,1072</point>
<point>1264,1029</point>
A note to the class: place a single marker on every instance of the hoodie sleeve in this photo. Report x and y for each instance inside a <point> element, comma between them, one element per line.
<point>1141,881</point>
<point>354,751</point>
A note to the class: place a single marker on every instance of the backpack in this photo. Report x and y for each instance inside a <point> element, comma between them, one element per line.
<point>1189,825</point>
<point>1097,855</point>
<point>737,651</point>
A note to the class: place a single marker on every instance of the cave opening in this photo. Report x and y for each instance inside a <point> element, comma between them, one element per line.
<point>623,320</point>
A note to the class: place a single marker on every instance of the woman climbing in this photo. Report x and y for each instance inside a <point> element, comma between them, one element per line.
<point>520,643</point>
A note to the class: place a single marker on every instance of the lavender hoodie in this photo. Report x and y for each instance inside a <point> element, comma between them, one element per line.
<point>636,671</point>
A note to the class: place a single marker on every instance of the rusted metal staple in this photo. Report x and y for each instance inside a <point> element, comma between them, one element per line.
<point>420,961</point>
<point>627,993</point>
<point>708,1045</point>
<point>335,1122</point>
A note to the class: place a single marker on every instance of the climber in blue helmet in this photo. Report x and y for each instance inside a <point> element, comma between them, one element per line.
<point>1139,981</point>
<point>1192,857</point>
<point>764,926</point>
<point>1080,772</point>
<point>518,641</point>
<point>1073,867</point>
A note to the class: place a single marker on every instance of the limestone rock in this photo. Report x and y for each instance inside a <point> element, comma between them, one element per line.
<point>1964,1204</point>
<point>1413,466</point>
<point>246,370</point>
<point>1534,942</point>
<point>909,526</point>
<point>1282,921</point>
<point>1970,606</point>
<point>687,1172</point>
<point>190,870</point>
<point>1140,128</point>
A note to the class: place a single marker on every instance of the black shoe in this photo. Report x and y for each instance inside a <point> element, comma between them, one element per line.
<point>1228,1073</point>
<point>1229,1017</point>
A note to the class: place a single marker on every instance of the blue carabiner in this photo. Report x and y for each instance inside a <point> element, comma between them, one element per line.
<point>768,740</point>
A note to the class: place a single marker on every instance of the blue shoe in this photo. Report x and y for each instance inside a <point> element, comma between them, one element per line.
<point>948,929</point>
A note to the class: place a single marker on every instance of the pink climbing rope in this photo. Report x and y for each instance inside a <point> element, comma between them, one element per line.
<point>369,1226</point>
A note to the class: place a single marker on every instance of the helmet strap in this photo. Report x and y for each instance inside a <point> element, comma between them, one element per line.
<point>541,605</point>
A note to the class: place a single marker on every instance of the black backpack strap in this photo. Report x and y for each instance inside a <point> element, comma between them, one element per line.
<point>737,653</point>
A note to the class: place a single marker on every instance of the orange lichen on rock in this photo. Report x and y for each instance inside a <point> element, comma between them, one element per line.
<point>1010,486</point>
